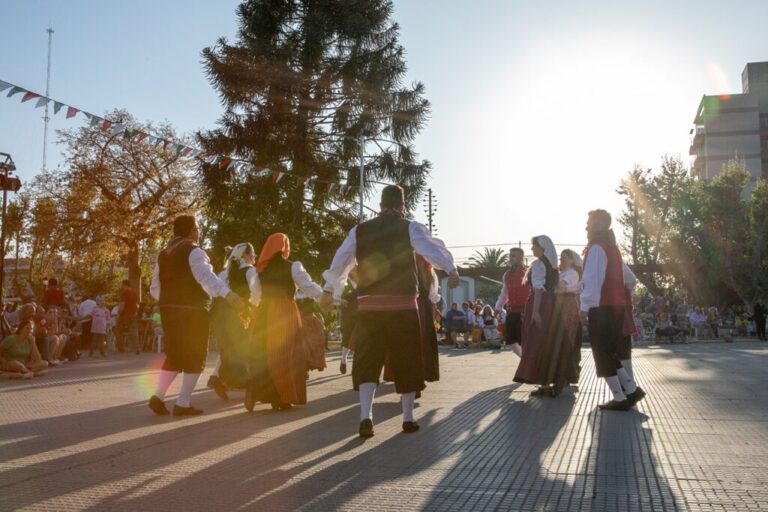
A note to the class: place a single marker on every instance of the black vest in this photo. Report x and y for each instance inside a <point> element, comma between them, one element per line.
<point>386,263</point>
<point>237,280</point>
<point>277,279</point>
<point>178,286</point>
<point>551,281</point>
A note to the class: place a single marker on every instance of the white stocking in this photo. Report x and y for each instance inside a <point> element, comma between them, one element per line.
<point>407,400</point>
<point>367,392</point>
<point>187,386</point>
<point>164,382</point>
<point>615,387</point>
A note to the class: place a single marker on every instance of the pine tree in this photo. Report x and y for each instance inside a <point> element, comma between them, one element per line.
<point>304,80</point>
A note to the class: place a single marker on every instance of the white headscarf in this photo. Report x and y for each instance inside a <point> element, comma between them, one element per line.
<point>236,254</point>
<point>575,258</point>
<point>549,249</point>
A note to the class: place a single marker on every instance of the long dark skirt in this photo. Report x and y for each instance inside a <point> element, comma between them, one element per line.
<point>548,356</point>
<point>280,362</point>
<point>185,338</point>
<point>235,344</point>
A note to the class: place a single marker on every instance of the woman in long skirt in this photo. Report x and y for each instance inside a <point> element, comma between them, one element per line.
<point>569,288</point>
<point>542,341</point>
<point>229,326</point>
<point>279,374</point>
<point>312,332</point>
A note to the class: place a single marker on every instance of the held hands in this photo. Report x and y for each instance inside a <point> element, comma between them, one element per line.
<point>453,279</point>
<point>235,301</point>
<point>326,302</point>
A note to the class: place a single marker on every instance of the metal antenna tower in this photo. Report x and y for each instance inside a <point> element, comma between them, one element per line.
<point>46,118</point>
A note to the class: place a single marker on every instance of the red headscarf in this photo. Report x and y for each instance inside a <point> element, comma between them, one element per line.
<point>277,243</point>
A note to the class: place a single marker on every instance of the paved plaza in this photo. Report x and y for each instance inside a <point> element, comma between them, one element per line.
<point>82,438</point>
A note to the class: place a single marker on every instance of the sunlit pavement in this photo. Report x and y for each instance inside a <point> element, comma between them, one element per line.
<point>82,438</point>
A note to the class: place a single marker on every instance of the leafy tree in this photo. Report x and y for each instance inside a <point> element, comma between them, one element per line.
<point>113,200</point>
<point>489,257</point>
<point>302,83</point>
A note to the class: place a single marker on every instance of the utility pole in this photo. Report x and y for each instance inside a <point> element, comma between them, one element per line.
<point>361,149</point>
<point>430,210</point>
<point>47,95</point>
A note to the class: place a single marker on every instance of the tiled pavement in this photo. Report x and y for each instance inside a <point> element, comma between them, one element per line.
<point>82,438</point>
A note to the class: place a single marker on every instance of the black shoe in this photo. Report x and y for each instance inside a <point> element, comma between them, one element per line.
<point>410,426</point>
<point>366,428</point>
<point>613,405</point>
<point>635,397</point>
<point>157,406</point>
<point>343,368</point>
<point>218,387</point>
<point>541,391</point>
<point>250,400</point>
<point>186,411</point>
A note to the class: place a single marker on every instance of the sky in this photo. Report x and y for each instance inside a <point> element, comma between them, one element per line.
<point>538,108</point>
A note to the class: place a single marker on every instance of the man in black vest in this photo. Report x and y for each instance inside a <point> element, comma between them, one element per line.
<point>183,283</point>
<point>388,319</point>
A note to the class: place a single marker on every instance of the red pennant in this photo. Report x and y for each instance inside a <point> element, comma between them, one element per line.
<point>224,163</point>
<point>141,136</point>
<point>71,112</point>
<point>29,96</point>
<point>106,125</point>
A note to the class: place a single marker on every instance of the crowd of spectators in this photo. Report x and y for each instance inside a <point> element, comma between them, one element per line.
<point>674,320</point>
<point>61,327</point>
<point>474,325</point>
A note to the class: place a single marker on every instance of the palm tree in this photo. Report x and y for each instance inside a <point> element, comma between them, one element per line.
<point>490,257</point>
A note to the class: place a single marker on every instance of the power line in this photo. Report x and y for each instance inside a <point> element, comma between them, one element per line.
<point>516,244</point>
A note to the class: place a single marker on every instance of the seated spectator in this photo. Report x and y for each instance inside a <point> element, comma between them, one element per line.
<point>698,320</point>
<point>664,328</point>
<point>456,323</point>
<point>489,323</point>
<point>19,356</point>
<point>21,314</point>
<point>56,336</point>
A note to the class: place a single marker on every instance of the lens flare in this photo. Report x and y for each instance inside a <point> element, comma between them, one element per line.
<point>719,81</point>
<point>146,382</point>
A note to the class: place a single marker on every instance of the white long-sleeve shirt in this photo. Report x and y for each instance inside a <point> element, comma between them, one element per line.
<point>538,275</point>
<point>202,272</point>
<point>430,248</point>
<point>302,279</point>
<point>570,281</point>
<point>251,277</point>
<point>594,277</point>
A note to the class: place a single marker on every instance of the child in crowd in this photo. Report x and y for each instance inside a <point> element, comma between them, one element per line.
<point>100,317</point>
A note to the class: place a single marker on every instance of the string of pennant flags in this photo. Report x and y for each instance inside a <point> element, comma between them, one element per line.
<point>180,150</point>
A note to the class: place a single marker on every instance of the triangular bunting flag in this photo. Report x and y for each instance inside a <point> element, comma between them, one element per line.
<point>15,90</point>
<point>224,163</point>
<point>128,134</point>
<point>42,102</point>
<point>4,86</point>
<point>29,95</point>
<point>71,112</point>
<point>165,145</point>
<point>117,128</point>
<point>94,120</point>
<point>277,176</point>
<point>56,107</point>
<point>179,148</point>
<point>106,125</point>
<point>141,136</point>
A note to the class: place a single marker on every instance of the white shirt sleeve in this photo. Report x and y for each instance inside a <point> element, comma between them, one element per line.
<point>430,248</point>
<point>154,287</point>
<point>538,275</point>
<point>503,295</point>
<point>630,280</point>
<point>570,278</point>
<point>434,290</point>
<point>593,278</point>
<point>254,285</point>
<point>203,273</point>
<point>304,281</point>
<point>343,261</point>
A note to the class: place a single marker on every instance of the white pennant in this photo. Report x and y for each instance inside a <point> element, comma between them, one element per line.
<point>41,102</point>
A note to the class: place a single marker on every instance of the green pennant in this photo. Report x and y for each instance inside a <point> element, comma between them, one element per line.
<point>56,107</point>
<point>15,90</point>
